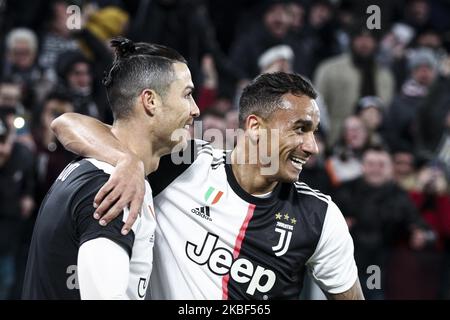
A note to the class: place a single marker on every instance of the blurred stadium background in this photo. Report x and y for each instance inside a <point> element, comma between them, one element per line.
<point>387,87</point>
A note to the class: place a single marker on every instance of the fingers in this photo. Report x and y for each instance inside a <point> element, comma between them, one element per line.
<point>125,187</point>
<point>113,204</point>
<point>107,203</point>
<point>113,212</point>
<point>101,194</point>
<point>135,208</point>
<point>129,223</point>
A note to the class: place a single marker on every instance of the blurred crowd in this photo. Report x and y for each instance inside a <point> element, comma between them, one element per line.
<point>384,96</point>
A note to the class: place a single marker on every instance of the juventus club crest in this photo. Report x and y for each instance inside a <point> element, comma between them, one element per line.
<point>285,226</point>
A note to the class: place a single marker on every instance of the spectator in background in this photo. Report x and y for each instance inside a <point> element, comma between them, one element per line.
<point>432,198</point>
<point>344,164</point>
<point>379,213</point>
<point>51,157</point>
<point>21,65</point>
<point>56,37</point>
<point>16,202</point>
<point>400,53</point>
<point>346,19</point>
<point>343,80</point>
<point>101,26</point>
<point>209,94</point>
<point>75,73</point>
<point>296,12</point>
<point>431,39</point>
<point>319,35</point>
<point>371,111</point>
<point>10,97</point>
<point>417,14</point>
<point>21,13</point>
<point>443,152</point>
<point>400,129</point>
<point>272,29</point>
<point>21,51</point>
<point>393,50</point>
<point>404,163</point>
<point>13,112</point>
<point>186,26</point>
<point>427,267</point>
<point>430,140</point>
<point>209,88</point>
<point>276,59</point>
<point>279,58</point>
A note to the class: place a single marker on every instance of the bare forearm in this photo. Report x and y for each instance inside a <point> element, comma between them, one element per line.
<point>354,293</point>
<point>88,137</point>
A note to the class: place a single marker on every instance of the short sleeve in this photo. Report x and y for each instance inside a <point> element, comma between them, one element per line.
<point>332,264</point>
<point>89,228</point>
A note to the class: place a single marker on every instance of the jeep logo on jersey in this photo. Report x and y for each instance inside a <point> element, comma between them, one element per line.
<point>285,230</point>
<point>220,262</point>
<point>212,195</point>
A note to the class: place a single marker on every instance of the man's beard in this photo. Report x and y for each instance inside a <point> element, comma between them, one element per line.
<point>361,61</point>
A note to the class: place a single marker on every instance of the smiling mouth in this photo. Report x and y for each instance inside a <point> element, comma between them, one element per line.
<point>297,162</point>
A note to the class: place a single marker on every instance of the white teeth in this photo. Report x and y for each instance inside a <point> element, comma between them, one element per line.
<point>298,160</point>
<point>297,165</point>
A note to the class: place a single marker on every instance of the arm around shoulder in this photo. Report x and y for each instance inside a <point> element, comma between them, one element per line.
<point>88,137</point>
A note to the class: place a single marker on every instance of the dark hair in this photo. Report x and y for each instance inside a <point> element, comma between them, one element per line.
<point>67,60</point>
<point>138,66</point>
<point>9,80</point>
<point>58,95</point>
<point>264,94</point>
<point>378,148</point>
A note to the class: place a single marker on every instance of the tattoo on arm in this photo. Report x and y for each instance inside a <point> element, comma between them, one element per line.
<point>354,293</point>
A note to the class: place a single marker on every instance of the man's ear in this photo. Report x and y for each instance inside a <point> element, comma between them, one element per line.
<point>253,124</point>
<point>150,101</point>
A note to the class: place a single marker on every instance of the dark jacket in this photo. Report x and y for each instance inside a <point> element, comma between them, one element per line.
<point>382,216</point>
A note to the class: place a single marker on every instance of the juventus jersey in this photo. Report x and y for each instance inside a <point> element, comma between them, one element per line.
<point>216,241</point>
<point>65,222</point>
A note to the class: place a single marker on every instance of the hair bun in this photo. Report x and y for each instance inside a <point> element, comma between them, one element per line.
<point>124,47</point>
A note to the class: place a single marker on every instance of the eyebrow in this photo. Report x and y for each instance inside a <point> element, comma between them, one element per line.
<point>189,87</point>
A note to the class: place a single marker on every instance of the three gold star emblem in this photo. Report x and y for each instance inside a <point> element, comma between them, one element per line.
<point>279,216</point>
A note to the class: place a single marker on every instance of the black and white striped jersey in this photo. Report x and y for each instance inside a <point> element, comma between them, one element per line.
<point>216,241</point>
<point>65,223</point>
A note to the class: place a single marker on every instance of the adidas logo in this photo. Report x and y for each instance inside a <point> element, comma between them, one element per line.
<point>202,212</point>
